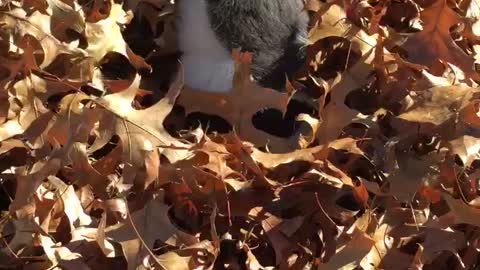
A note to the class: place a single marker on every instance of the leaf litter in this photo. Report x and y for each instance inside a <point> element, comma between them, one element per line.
<point>101,166</point>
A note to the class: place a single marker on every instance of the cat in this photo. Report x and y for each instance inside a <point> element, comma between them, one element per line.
<point>273,30</point>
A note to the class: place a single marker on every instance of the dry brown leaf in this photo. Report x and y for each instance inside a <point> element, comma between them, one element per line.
<point>83,173</point>
<point>336,114</point>
<point>81,252</point>
<point>62,256</point>
<point>470,115</point>
<point>28,180</point>
<point>60,11</point>
<point>417,263</point>
<point>73,121</point>
<point>146,222</point>
<point>217,158</point>
<point>411,173</point>
<point>162,13</point>
<point>439,240</point>
<point>108,163</point>
<point>240,104</point>
<point>73,208</point>
<point>351,254</point>
<point>197,256</point>
<point>462,212</point>
<point>467,148</point>
<point>271,160</point>
<point>251,262</point>
<point>437,22</point>
<point>471,8</point>
<point>383,244</point>
<point>105,246</point>
<point>140,131</point>
<point>306,131</point>
<point>30,113</point>
<point>360,194</point>
<point>279,232</point>
<point>439,104</point>
<point>9,144</point>
<point>38,25</point>
<point>22,230</point>
<point>116,207</point>
<point>243,152</point>
<point>33,5</point>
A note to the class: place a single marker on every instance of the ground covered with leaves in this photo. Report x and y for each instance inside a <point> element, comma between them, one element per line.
<point>371,160</point>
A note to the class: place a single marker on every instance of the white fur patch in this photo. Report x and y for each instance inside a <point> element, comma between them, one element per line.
<point>207,64</point>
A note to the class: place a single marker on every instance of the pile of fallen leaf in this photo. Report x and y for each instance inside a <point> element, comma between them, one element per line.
<point>101,167</point>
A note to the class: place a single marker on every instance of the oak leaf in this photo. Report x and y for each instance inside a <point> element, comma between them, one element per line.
<point>412,171</point>
<point>198,256</point>
<point>467,148</point>
<point>28,180</point>
<point>434,42</point>
<point>240,104</point>
<point>38,25</point>
<point>146,222</point>
<point>336,114</point>
<point>350,255</point>
<point>140,131</point>
<point>462,212</point>
<point>440,104</point>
